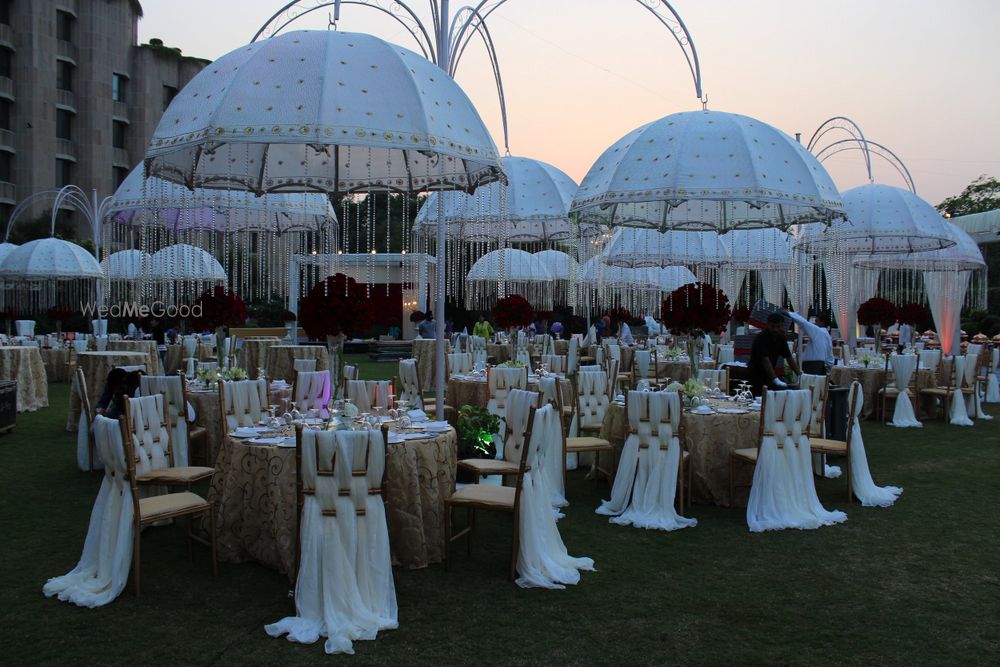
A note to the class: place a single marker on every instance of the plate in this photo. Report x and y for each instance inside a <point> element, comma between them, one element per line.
<point>277,440</point>
<point>732,411</point>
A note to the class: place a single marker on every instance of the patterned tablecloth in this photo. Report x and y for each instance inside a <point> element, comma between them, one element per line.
<point>253,354</point>
<point>174,360</point>
<point>498,353</point>
<point>23,364</point>
<point>281,359</point>
<point>57,364</point>
<point>208,413</point>
<point>709,438</point>
<point>423,352</point>
<point>675,369</point>
<point>149,347</point>
<point>96,366</point>
<point>254,495</point>
<point>473,392</point>
<point>871,380</point>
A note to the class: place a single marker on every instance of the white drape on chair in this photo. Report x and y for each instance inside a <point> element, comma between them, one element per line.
<point>645,486</point>
<point>344,590</point>
<point>244,402</point>
<point>499,383</point>
<point>727,353</point>
<point>312,391</point>
<point>409,390</point>
<point>592,400</point>
<point>171,387</point>
<point>303,365</point>
<point>102,572</point>
<point>783,494</point>
<point>642,360</point>
<point>958,415</point>
<point>930,359</point>
<point>549,388</point>
<point>992,387</point>
<point>478,344</point>
<point>974,402</point>
<point>903,366</point>
<point>542,559</point>
<point>861,477</point>
<point>368,394</point>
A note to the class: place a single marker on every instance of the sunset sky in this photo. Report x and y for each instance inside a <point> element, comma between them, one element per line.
<point>917,76</point>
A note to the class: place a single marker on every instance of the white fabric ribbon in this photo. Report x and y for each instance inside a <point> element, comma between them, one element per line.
<point>903,366</point>
<point>861,477</point>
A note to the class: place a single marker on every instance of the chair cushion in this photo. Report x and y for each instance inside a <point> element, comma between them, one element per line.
<point>170,504</point>
<point>196,432</point>
<point>489,466</point>
<point>586,444</point>
<point>486,496</point>
<point>748,454</point>
<point>178,475</point>
<point>824,446</point>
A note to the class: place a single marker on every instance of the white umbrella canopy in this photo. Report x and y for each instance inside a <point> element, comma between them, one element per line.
<point>535,204</point>
<point>124,265</point>
<point>46,272</point>
<point>672,277</point>
<point>634,248</point>
<point>323,110</point>
<point>707,170</point>
<point>963,255</point>
<point>559,264</point>
<point>185,263</point>
<point>6,249</point>
<point>521,273</point>
<point>759,249</point>
<point>880,219</point>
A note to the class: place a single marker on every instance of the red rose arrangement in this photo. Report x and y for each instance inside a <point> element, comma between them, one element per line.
<point>288,316</point>
<point>914,313</point>
<point>741,314</point>
<point>513,311</point>
<point>59,313</point>
<point>696,307</point>
<point>619,315</point>
<point>219,308</point>
<point>337,305</point>
<point>876,311</point>
<point>416,316</point>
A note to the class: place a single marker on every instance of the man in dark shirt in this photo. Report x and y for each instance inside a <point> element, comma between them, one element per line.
<point>768,345</point>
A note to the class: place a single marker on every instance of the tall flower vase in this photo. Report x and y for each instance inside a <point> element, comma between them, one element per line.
<point>220,346</point>
<point>335,346</point>
<point>692,350</point>
<point>290,331</point>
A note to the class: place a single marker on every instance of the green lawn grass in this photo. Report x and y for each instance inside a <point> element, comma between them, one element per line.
<point>913,584</point>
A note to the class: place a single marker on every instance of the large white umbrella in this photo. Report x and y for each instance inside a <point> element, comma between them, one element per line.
<point>183,262</point>
<point>634,248</point>
<point>707,170</point>
<point>48,271</point>
<point>521,271</point>
<point>769,253</point>
<point>326,111</point>
<point>124,265</point>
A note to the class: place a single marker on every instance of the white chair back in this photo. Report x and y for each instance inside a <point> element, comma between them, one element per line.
<point>350,372</point>
<point>99,327</point>
<point>312,391</point>
<point>244,402</point>
<point>101,343</point>
<point>459,363</point>
<point>25,327</point>
<point>592,399</point>
<point>727,353</point>
<point>304,365</point>
<point>930,359</point>
<point>478,348</point>
<point>817,386</point>
<point>409,383</point>
<point>150,433</point>
<point>499,383</point>
<point>516,412</point>
<point>556,363</point>
<point>170,386</point>
<point>80,345</point>
<point>573,355</point>
<point>368,394</point>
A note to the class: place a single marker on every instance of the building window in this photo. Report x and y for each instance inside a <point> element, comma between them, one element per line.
<point>6,62</point>
<point>6,110</point>
<point>118,129</point>
<point>64,75</point>
<point>169,93</point>
<point>5,12</point>
<point>64,124</point>
<point>64,172</point>
<point>64,25</point>
<point>120,174</point>
<point>6,167</point>
<point>118,84</point>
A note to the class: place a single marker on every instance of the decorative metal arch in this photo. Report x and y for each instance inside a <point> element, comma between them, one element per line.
<point>453,33</point>
<point>856,142</point>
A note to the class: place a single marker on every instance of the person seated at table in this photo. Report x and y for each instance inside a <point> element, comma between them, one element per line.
<point>119,385</point>
<point>483,328</point>
<point>817,354</point>
<point>768,345</point>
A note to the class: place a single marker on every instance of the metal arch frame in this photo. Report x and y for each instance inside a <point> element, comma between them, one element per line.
<point>95,211</point>
<point>452,34</point>
<point>847,125</point>
<point>869,148</point>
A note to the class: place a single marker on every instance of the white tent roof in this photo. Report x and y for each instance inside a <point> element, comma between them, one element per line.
<point>49,259</point>
<point>124,265</point>
<point>185,262</point>
<point>518,266</point>
<point>707,170</point>
<point>982,227</point>
<point>632,248</point>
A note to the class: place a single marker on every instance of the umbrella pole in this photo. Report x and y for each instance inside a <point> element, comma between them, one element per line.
<point>439,349</point>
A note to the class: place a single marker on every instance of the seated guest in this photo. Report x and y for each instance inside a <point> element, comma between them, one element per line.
<point>119,385</point>
<point>768,345</point>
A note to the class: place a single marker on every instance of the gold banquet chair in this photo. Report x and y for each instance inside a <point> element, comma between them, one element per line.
<point>513,441</point>
<point>150,438</point>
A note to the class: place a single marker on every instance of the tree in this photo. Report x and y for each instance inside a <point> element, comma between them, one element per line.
<point>982,194</point>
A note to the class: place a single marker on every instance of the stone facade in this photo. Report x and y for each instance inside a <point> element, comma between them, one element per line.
<point>79,98</point>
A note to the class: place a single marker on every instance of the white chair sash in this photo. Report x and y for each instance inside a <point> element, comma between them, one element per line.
<point>517,409</point>
<point>409,380</point>
<point>170,386</point>
<point>25,327</point>
<point>973,401</point>
<point>304,365</point>
<point>499,383</point>
<point>903,366</point>
<point>645,485</point>
<point>992,387</point>
<point>958,416</point>
<point>573,355</point>
<point>556,363</point>
<point>783,494</point>
<point>102,571</point>
<point>99,327</point>
<point>542,558</point>
<point>460,362</point>
<point>550,390</point>
<point>478,344</point>
<point>592,401</point>
<point>312,391</point>
<point>861,477</point>
<point>642,359</point>
<point>727,354</point>
<point>369,394</point>
<point>245,402</point>
<point>150,438</point>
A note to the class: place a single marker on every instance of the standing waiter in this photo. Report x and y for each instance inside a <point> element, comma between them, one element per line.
<point>817,356</point>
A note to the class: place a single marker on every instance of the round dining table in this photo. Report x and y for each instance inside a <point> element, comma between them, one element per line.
<point>253,354</point>
<point>872,379</point>
<point>472,390</point>
<point>281,360</point>
<point>154,366</point>
<point>57,363</point>
<point>96,366</point>
<point>254,495</point>
<point>208,413</point>
<point>23,364</point>
<point>709,438</point>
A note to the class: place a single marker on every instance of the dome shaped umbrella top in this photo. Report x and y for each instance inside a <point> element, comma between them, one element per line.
<point>672,277</point>
<point>518,266</point>
<point>558,263</point>
<point>184,262</point>
<point>757,249</point>
<point>536,207</point>
<point>634,248</point>
<point>6,249</point>
<point>49,259</point>
<point>880,219</point>
<point>124,265</point>
<point>595,273</point>
<point>964,255</point>
<point>323,110</point>
<point>156,201</point>
<point>707,170</point>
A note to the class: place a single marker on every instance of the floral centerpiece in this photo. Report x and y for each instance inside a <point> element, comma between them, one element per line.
<point>208,376</point>
<point>868,359</point>
<point>234,374</point>
<point>877,312</point>
<point>219,308</point>
<point>673,352</point>
<point>694,391</point>
<point>334,309</point>
<point>512,364</point>
<point>513,311</point>
<point>694,310</point>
